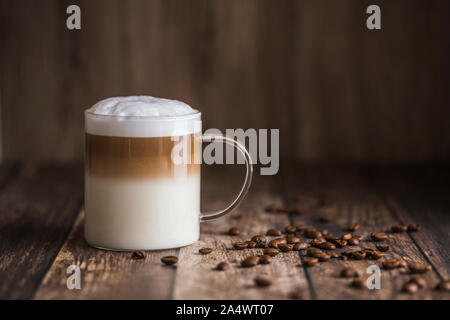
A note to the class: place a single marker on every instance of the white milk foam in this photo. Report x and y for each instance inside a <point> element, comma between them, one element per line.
<point>142,116</point>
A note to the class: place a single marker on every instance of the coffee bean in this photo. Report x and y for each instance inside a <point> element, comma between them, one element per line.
<point>234,231</point>
<point>138,255</point>
<point>324,257</point>
<point>391,263</point>
<point>290,229</point>
<point>341,243</point>
<point>357,255</point>
<point>284,247</point>
<point>250,262</point>
<point>292,239</point>
<point>327,246</point>
<point>251,244</point>
<point>313,252</point>
<point>274,232</point>
<point>410,287</point>
<point>333,254</point>
<point>382,247</point>
<point>265,259</point>
<point>331,239</point>
<point>261,241</point>
<point>375,255</point>
<point>353,242</point>
<point>413,227</point>
<point>349,272</point>
<point>398,228</point>
<point>271,252</point>
<point>353,227</point>
<point>325,218</point>
<point>300,227</point>
<point>317,241</point>
<point>205,250</point>
<point>418,268</point>
<point>358,283</point>
<point>347,236</point>
<point>312,233</point>
<point>169,260</point>
<point>310,261</point>
<point>443,286</point>
<point>222,266</point>
<point>379,236</point>
<point>357,236</point>
<point>276,242</point>
<point>418,280</point>
<point>347,252</point>
<point>263,281</point>
<point>240,245</point>
<point>300,246</point>
<point>324,232</point>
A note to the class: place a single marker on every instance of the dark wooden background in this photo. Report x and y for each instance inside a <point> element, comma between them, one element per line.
<point>337,91</point>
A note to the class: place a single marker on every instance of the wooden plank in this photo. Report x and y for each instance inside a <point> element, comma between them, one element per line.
<point>353,200</point>
<point>196,276</point>
<point>37,210</point>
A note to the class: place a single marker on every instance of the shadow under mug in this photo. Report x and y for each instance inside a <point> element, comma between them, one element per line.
<point>142,181</point>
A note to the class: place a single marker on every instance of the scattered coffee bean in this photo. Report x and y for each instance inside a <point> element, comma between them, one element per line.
<point>300,246</point>
<point>265,259</point>
<point>347,252</point>
<point>353,227</point>
<point>138,255</point>
<point>250,262</point>
<point>413,227</point>
<point>379,236</point>
<point>324,232</point>
<point>357,255</point>
<point>323,257</point>
<point>312,233</point>
<point>398,228</point>
<point>382,247</point>
<point>310,261</point>
<point>290,229</point>
<point>284,247</point>
<point>418,268</point>
<point>271,252</point>
<point>331,239</point>
<point>222,266</point>
<point>410,287</point>
<point>327,246</point>
<point>240,245</point>
<point>419,281</point>
<point>391,263</point>
<point>341,243</point>
<point>300,227</point>
<point>205,250</point>
<point>263,281</point>
<point>169,260</point>
<point>353,242</point>
<point>276,242</point>
<point>251,244</point>
<point>357,236</point>
<point>292,239</point>
<point>358,283</point>
<point>317,241</point>
<point>325,218</point>
<point>347,236</point>
<point>443,286</point>
<point>375,255</point>
<point>313,252</point>
<point>333,254</point>
<point>234,231</point>
<point>260,240</point>
<point>274,232</point>
<point>349,272</point>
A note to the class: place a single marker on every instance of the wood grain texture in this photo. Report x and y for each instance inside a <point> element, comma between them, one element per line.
<point>37,210</point>
<point>337,91</point>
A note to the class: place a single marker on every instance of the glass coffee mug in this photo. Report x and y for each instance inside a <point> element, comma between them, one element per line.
<point>142,179</point>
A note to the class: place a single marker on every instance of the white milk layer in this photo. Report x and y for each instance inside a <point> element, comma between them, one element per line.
<point>142,214</point>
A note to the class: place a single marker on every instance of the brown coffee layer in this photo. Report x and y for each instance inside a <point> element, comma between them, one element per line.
<point>142,158</point>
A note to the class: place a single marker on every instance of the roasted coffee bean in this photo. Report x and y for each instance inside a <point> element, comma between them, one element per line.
<point>357,236</point>
<point>410,287</point>
<point>357,255</point>
<point>419,281</point>
<point>391,263</point>
<point>325,218</point>
<point>265,259</point>
<point>375,255</point>
<point>290,229</point>
<point>331,238</point>
<point>263,281</point>
<point>250,262</point>
<point>413,227</point>
<point>240,245</point>
<point>251,244</point>
<point>443,286</point>
<point>300,246</point>
<point>169,260</point>
<point>379,236</point>
<point>234,231</point>
<point>312,233</point>
<point>324,232</point>
<point>261,241</point>
<point>313,252</point>
<point>271,251</point>
<point>274,232</point>
<point>138,255</point>
<point>310,261</point>
<point>382,247</point>
<point>347,236</point>
<point>349,273</point>
<point>398,228</point>
<point>292,239</point>
<point>327,246</point>
<point>418,268</point>
<point>276,242</point>
<point>323,257</point>
<point>300,227</point>
<point>222,266</point>
<point>341,243</point>
<point>358,283</point>
<point>347,252</point>
<point>284,247</point>
<point>353,227</point>
<point>333,254</point>
<point>317,241</point>
<point>353,242</point>
<point>205,250</point>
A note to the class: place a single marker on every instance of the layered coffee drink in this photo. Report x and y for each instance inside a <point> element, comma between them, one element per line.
<point>142,174</point>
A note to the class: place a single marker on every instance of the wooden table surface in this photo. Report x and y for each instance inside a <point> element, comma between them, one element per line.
<point>41,234</point>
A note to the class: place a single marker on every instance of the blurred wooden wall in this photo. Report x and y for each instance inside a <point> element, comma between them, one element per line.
<point>337,91</point>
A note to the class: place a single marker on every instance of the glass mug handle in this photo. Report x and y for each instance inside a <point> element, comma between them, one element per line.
<point>248,177</point>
